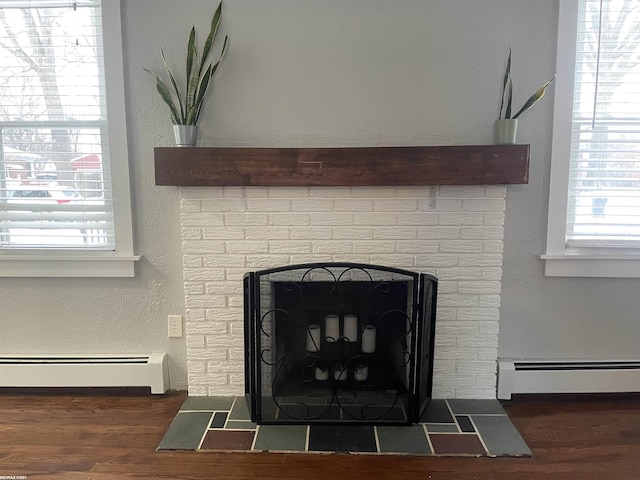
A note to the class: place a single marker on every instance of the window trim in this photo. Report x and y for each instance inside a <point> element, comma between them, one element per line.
<point>121,262</point>
<point>560,260</point>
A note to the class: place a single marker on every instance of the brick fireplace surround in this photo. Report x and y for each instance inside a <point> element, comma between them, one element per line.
<point>452,232</point>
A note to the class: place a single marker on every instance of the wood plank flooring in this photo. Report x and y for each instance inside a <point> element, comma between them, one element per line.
<point>112,435</point>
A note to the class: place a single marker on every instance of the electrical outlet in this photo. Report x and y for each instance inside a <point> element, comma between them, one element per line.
<point>175,325</point>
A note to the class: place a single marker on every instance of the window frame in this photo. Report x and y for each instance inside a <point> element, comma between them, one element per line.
<point>559,259</point>
<point>77,263</point>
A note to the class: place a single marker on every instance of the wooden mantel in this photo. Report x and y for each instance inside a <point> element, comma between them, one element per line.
<point>352,166</point>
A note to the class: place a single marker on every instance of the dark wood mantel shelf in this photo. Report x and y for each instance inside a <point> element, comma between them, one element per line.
<point>353,166</point>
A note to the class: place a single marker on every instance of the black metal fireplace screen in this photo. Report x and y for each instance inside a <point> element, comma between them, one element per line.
<point>338,343</point>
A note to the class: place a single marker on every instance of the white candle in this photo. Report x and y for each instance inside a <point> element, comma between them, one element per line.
<point>361,373</point>
<point>351,328</point>
<point>369,339</point>
<point>331,328</point>
<point>313,338</point>
<point>339,372</point>
<point>321,374</point>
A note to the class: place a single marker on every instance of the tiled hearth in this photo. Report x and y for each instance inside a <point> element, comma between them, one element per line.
<point>452,232</point>
<point>449,427</point>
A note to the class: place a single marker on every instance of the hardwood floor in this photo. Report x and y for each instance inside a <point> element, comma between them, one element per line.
<point>112,435</point>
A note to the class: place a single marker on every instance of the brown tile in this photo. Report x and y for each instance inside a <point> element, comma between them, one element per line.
<point>227,440</point>
<point>456,444</point>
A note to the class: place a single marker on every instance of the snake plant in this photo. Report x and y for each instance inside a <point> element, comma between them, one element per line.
<point>507,91</point>
<point>185,105</point>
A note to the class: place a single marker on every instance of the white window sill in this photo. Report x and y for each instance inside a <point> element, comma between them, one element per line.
<point>68,265</point>
<point>602,266</point>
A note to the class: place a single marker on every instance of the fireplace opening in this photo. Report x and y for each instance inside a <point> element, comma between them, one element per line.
<point>338,343</point>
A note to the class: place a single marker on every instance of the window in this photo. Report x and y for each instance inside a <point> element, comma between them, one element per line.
<point>594,202</point>
<point>64,187</point>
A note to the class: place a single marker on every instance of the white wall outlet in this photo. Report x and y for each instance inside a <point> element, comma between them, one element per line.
<point>175,326</point>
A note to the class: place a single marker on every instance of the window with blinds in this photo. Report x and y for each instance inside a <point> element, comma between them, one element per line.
<point>604,178</point>
<point>55,176</point>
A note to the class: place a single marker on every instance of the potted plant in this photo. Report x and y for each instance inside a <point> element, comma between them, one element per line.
<point>185,101</point>
<point>507,124</point>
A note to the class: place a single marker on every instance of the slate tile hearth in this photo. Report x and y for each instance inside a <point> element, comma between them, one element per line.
<point>448,427</point>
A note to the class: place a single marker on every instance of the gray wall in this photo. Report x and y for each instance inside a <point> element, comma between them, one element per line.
<point>333,72</point>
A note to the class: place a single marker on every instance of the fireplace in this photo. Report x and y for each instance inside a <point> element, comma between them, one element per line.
<point>341,343</point>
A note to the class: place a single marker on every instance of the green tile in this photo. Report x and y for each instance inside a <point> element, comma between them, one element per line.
<point>281,438</point>
<point>240,410</point>
<point>208,404</point>
<point>186,431</point>
<point>410,439</point>
<point>476,407</point>
<point>500,436</point>
<point>240,425</point>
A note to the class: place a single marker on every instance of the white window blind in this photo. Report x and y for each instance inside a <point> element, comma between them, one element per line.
<point>603,207</point>
<point>55,175</point>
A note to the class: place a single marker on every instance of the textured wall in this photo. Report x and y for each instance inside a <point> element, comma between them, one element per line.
<point>454,233</point>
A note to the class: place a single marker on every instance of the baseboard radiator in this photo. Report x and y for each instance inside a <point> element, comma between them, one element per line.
<point>85,371</point>
<point>542,376</point>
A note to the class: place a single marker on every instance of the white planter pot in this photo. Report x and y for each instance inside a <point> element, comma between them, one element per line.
<point>186,135</point>
<point>504,131</point>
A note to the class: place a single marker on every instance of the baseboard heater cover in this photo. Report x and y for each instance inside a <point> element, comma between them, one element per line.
<point>546,376</point>
<point>85,371</point>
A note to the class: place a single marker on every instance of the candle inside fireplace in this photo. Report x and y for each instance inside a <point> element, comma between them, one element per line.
<point>360,373</point>
<point>369,339</point>
<point>313,338</point>
<point>351,328</point>
<point>331,328</point>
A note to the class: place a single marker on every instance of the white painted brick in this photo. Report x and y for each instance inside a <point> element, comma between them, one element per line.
<point>460,218</point>
<point>487,354</point>
<point>201,219</point>
<point>225,341</point>
<point>330,192</point>
<point>224,260</point>
<point>206,328</point>
<point>489,301</point>
<point>224,288</point>
<point>456,380</point>
<point>270,205</point>
<point>492,273</point>
<point>484,260</point>
<point>493,246</point>
<point>484,205</point>
<point>198,192</point>
<point>286,192</point>
<point>437,260</point>
<point>352,233</point>
<point>246,247</point>
<point>487,381</point>
<point>246,219</point>
<point>267,233</point>
<point>481,233</point>
<point>440,205</point>
<point>200,391</point>
<point>330,219</point>
<point>417,219</point>
<point>216,356</point>
<point>474,191</point>
<point>237,354</point>
<point>447,287</point>
<point>459,273</point>
<point>372,192</point>
<point>486,327</point>
<point>290,247</point>
<point>192,261</point>
<point>194,288</point>
<point>195,315</point>
<point>377,218</point>
<point>416,247</point>
<point>225,316</point>
<point>215,378</point>
<point>204,274</point>
<point>396,233</point>
<point>478,341</point>
<point>225,205</point>
<point>353,205</point>
<point>312,205</point>
<point>444,367</point>
<point>237,380</point>
<point>223,233</point>
<point>461,246</point>
<point>475,368</point>
<point>457,300</point>
<point>260,262</point>
<point>397,260</point>
<point>203,246</point>
<point>445,314</point>
<point>486,287</point>
<point>331,247</point>
<point>438,233</point>
<point>494,218</point>
<point>441,392</point>
<point>475,393</point>
<point>456,328</point>
<point>395,205</point>
<point>495,191</point>
<point>310,233</point>
<point>195,341</point>
<point>465,314</point>
<point>190,206</point>
<point>235,301</point>
<point>374,247</point>
<point>457,353</point>
<point>205,301</point>
<point>196,367</point>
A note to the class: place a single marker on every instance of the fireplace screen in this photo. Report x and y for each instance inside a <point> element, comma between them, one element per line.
<point>338,343</point>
